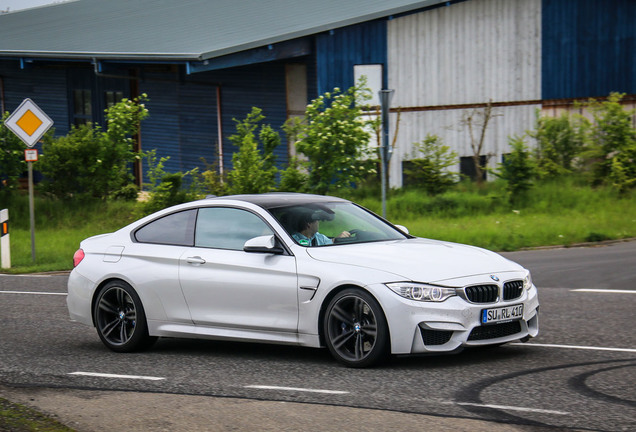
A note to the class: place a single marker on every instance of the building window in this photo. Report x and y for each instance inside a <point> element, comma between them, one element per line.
<point>113,97</point>
<point>467,167</point>
<point>82,107</point>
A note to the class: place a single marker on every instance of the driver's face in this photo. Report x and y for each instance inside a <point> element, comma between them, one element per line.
<point>312,228</point>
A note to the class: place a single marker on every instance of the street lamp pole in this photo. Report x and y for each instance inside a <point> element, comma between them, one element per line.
<point>385,148</point>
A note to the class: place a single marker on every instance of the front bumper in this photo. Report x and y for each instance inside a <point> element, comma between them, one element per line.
<point>428,327</point>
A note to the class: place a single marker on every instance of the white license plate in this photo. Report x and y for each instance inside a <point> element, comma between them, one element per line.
<point>502,314</point>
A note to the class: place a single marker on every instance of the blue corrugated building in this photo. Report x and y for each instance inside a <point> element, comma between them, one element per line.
<point>205,62</point>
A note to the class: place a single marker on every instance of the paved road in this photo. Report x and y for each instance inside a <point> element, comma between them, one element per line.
<point>580,373</point>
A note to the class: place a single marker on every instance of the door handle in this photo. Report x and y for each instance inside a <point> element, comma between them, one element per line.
<point>197,260</point>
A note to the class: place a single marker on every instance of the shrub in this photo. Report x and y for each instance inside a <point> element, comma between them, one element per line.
<point>430,170</point>
<point>611,153</point>
<point>90,161</point>
<point>517,170</point>
<point>335,141</point>
<point>12,163</point>
<point>559,142</point>
<point>253,171</point>
<point>293,179</point>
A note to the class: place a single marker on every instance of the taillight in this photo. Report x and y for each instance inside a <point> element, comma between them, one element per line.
<point>78,257</point>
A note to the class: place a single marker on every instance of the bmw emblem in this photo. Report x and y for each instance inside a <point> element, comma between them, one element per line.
<point>495,278</point>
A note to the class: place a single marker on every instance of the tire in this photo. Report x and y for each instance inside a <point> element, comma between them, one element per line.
<point>120,319</point>
<point>355,329</point>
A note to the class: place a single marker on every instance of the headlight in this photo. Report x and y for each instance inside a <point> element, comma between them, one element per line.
<point>527,282</point>
<point>421,292</point>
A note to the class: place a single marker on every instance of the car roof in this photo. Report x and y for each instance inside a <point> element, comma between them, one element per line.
<point>280,199</point>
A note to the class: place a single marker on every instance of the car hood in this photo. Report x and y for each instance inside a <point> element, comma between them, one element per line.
<point>417,259</point>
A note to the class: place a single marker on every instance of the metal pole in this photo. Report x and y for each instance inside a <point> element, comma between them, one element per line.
<point>385,151</point>
<point>31,211</point>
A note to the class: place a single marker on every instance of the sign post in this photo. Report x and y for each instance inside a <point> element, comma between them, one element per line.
<point>29,123</point>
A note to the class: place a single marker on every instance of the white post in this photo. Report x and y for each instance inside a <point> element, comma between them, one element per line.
<point>5,244</point>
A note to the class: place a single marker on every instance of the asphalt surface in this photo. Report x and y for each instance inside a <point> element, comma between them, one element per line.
<point>579,374</point>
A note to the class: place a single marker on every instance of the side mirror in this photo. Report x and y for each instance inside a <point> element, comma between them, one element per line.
<point>402,228</point>
<point>263,244</point>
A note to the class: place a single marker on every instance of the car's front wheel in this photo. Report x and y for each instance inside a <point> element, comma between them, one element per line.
<point>120,318</point>
<point>355,329</point>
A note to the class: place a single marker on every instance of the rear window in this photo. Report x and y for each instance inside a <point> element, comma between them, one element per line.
<point>174,229</point>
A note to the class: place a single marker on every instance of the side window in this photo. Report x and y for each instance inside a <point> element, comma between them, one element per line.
<point>228,228</point>
<point>174,229</point>
<point>82,107</point>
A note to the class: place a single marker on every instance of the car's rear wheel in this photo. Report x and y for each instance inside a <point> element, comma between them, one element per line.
<point>120,318</point>
<point>355,329</point>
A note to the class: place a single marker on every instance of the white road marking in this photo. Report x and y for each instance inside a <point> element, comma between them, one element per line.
<point>509,408</point>
<point>610,291</point>
<point>103,375</point>
<point>590,348</point>
<point>262,387</point>
<point>32,292</point>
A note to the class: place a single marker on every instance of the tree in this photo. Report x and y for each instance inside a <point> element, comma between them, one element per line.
<point>12,163</point>
<point>517,170</point>
<point>335,140</point>
<point>253,171</point>
<point>479,119</point>
<point>611,151</point>
<point>90,161</point>
<point>430,169</point>
<point>560,140</point>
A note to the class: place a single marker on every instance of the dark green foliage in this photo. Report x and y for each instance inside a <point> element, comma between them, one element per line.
<point>518,170</point>
<point>293,178</point>
<point>335,141</point>
<point>168,192</point>
<point>12,163</point>
<point>253,170</point>
<point>559,141</point>
<point>611,153</point>
<point>91,162</point>
<point>430,170</point>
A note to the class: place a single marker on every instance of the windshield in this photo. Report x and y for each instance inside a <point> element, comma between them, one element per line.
<point>327,224</point>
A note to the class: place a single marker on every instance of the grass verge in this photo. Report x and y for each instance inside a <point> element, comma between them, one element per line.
<point>19,418</point>
<point>556,213</point>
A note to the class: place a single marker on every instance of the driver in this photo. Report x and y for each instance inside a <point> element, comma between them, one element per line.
<point>307,230</point>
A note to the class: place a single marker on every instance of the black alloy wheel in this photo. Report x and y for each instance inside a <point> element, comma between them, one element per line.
<point>120,319</point>
<point>355,329</point>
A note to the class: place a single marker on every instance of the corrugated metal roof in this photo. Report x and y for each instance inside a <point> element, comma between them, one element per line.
<point>184,30</point>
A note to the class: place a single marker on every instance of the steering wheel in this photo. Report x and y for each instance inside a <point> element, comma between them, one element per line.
<point>354,232</point>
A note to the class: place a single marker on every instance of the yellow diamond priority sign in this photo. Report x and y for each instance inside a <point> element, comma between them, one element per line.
<point>29,122</point>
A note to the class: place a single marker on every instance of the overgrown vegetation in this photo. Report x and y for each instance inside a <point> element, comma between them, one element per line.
<point>19,418</point>
<point>555,212</point>
<point>93,163</point>
<point>575,166</point>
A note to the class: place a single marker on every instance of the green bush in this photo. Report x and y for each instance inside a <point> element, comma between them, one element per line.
<point>91,162</point>
<point>253,171</point>
<point>517,171</point>
<point>611,152</point>
<point>335,141</point>
<point>12,163</point>
<point>560,141</point>
<point>429,171</point>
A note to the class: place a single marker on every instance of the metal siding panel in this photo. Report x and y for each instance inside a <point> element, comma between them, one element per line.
<point>588,48</point>
<point>242,88</point>
<point>160,131</point>
<point>468,52</point>
<point>338,51</point>
<point>45,86</point>
<point>197,124</point>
